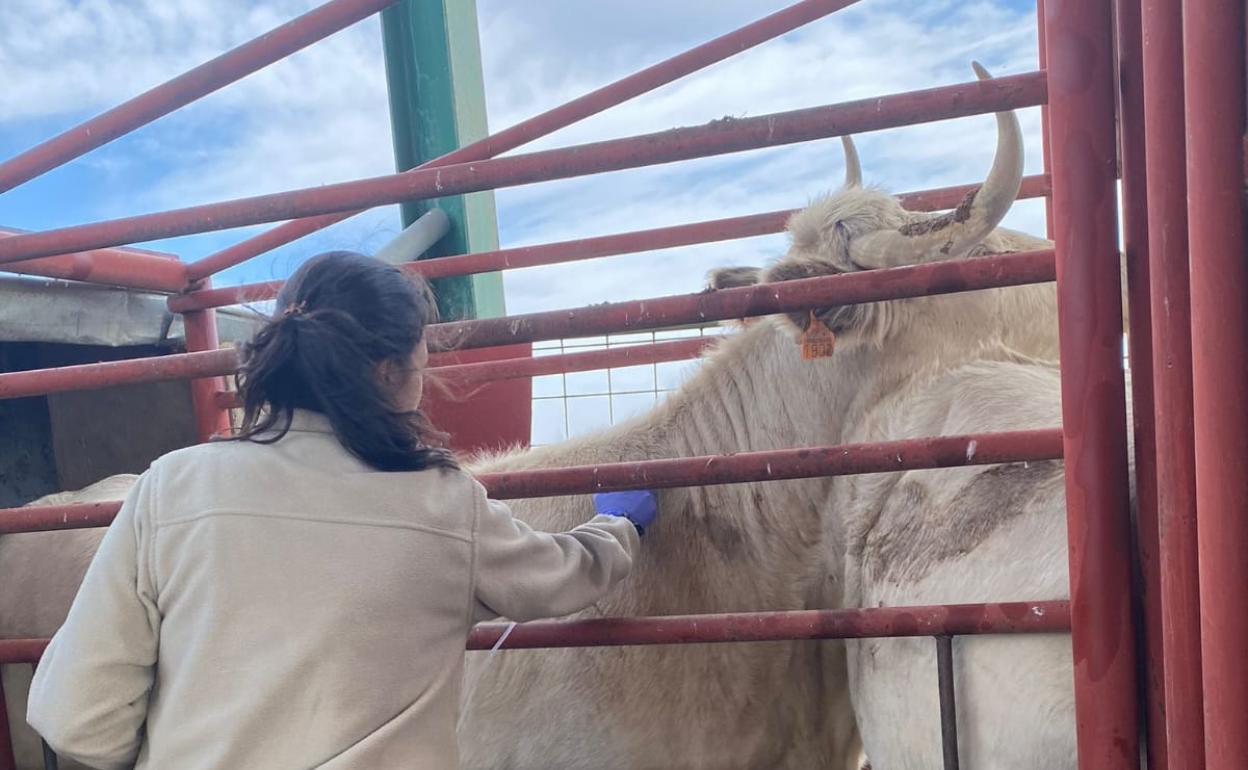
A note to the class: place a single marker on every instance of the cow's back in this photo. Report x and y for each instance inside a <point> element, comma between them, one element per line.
<point>964,535</point>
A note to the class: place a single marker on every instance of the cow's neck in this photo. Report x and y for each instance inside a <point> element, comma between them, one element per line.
<point>752,393</point>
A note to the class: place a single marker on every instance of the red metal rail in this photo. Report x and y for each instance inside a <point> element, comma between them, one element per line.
<point>1135,219</point>
<point>48,518</point>
<point>587,361</point>
<point>1046,152</point>
<point>1042,617</point>
<point>764,299</point>
<point>717,137</point>
<point>727,304</point>
<point>592,103</point>
<point>600,246</point>
<point>776,465</point>
<point>20,651</point>
<point>201,337</point>
<point>461,375</point>
<point>1213,61</point>
<point>233,65</point>
<point>1166,155</point>
<point>781,464</point>
<point>874,622</point>
<point>217,363</point>
<point>1079,37</point>
<point>181,366</point>
<point>134,268</point>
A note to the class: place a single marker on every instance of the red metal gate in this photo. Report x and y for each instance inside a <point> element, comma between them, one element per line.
<point>1193,663</point>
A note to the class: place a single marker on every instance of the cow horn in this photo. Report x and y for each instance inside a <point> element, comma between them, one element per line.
<point>948,236</point>
<point>853,168</point>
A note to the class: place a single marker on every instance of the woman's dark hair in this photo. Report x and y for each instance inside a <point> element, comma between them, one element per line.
<point>338,319</point>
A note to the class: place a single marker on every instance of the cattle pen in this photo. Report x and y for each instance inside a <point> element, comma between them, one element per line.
<point>1145,94</point>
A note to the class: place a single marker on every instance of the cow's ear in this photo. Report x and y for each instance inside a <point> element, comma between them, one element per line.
<point>792,269</point>
<point>732,277</point>
<point>839,319</point>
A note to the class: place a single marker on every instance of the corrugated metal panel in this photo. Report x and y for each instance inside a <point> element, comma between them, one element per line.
<point>46,310</point>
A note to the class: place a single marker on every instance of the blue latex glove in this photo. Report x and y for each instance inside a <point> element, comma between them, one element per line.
<point>639,506</point>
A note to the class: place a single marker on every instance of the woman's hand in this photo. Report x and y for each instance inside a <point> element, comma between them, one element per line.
<point>640,506</point>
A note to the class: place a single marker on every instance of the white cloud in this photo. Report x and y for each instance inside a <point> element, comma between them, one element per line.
<point>64,57</point>
<point>869,50</point>
<point>321,116</point>
<point>318,116</point>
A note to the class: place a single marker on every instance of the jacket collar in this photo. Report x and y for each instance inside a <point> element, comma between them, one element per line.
<point>306,421</point>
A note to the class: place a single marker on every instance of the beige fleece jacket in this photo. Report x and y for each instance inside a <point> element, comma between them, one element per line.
<point>286,606</point>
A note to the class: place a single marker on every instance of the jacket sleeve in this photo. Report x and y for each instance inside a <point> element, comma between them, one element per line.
<point>522,574</point>
<point>89,695</point>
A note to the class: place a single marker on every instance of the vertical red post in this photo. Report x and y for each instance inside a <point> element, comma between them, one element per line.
<point>1213,64</point>
<point>1046,152</point>
<point>1172,380</point>
<point>201,334</point>
<point>1137,250</point>
<point>1079,39</point>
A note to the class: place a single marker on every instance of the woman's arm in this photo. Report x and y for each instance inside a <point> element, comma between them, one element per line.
<point>522,574</point>
<point>89,696</point>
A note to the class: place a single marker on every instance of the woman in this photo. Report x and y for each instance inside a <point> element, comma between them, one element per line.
<point>300,596</point>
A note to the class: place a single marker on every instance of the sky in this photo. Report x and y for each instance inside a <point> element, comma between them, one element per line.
<point>321,116</point>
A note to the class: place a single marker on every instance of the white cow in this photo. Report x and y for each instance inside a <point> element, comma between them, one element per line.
<point>777,545</point>
<point>977,534</point>
<point>41,572</point>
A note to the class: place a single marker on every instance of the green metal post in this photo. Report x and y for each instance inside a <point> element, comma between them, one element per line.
<point>437,104</point>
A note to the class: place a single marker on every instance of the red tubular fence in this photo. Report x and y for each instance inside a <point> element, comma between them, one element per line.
<point>762,299</point>
<point>715,138</point>
<point>1042,617</point>
<point>201,337</point>
<point>1079,37</point>
<point>217,363</point>
<point>726,304</point>
<point>1172,380</point>
<point>132,268</point>
<point>1135,219</point>
<point>1046,152</point>
<point>48,518</point>
<point>592,103</point>
<point>461,375</point>
<point>1202,627</point>
<point>1213,60</point>
<point>20,651</point>
<point>775,465</point>
<point>781,464</point>
<point>591,248</point>
<point>186,88</point>
<point>876,622</point>
<point>210,363</point>
<point>587,361</point>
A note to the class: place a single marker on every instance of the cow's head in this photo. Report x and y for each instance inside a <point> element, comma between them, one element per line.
<point>860,228</point>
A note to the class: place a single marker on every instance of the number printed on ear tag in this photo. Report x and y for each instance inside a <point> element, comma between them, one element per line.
<point>818,341</point>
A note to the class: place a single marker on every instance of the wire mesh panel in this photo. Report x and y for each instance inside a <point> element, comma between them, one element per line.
<point>574,404</point>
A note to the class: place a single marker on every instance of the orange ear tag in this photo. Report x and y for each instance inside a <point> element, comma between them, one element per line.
<point>818,341</point>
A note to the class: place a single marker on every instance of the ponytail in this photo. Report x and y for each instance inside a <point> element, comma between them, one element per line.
<point>340,317</point>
